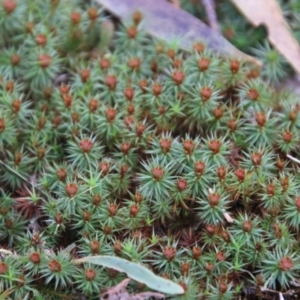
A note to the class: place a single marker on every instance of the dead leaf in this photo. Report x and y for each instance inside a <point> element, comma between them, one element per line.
<point>164,21</point>
<point>268,12</point>
<point>119,292</point>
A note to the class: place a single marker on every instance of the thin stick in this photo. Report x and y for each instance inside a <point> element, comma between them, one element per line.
<point>209,6</point>
<point>293,158</point>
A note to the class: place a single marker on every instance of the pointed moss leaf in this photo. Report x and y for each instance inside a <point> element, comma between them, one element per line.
<point>136,272</point>
<point>164,21</point>
<point>5,294</point>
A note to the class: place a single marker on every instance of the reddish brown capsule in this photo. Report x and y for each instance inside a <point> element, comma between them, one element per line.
<point>111,82</point>
<point>270,189</point>
<point>17,158</point>
<point>158,173</point>
<point>75,117</point>
<point>178,77</point>
<point>256,158</point>
<point>9,6</point>
<point>188,146</point>
<point>45,60</point>
<point>215,146</point>
<point>67,98</point>
<point>41,152</point>
<point>15,59</point>
<point>247,226</point>
<point>199,47</point>
<point>2,124</point>
<point>209,267</point>
<point>293,115</point>
<point>54,266</point>
<point>287,136</point>
<point>199,167</point>
<point>260,118</point>
<point>118,248</point>
<point>156,89</point>
<point>59,219</point>
<point>223,287</point>
<point>110,114</point>
<point>165,145</point>
<point>132,32</point>
<point>214,199</point>
<point>104,63</point>
<point>41,40</point>
<point>185,268</point>
<point>196,252</point>
<point>134,63</point>
<point>234,66</point>
<point>285,264</point>
<point>9,86</point>
<point>130,109</point>
<point>143,84</point>
<point>93,13</point>
<point>85,75</point>
<point>177,63</point>
<point>182,184</point>
<point>253,94</point>
<point>86,216</point>
<point>71,189</point>
<point>129,93</point>
<point>140,128</point>
<point>169,253</point>
<point>97,199</point>
<point>75,17</point>
<point>205,93</point>
<point>3,267</point>
<point>221,172</point>
<point>297,203</point>
<point>61,174</point>
<point>240,174</point>
<point>112,209</point>
<point>93,105</point>
<point>220,256</point>
<point>64,89</point>
<point>86,145</point>
<point>203,64</point>
<point>90,274</point>
<point>16,105</point>
<point>34,258</point>
<point>134,210</point>
<point>95,247</point>
<point>218,113</point>
<point>125,147</point>
<point>171,53</point>
<point>137,17</point>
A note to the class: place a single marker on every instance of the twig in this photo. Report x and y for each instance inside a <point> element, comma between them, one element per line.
<point>209,6</point>
<point>293,158</point>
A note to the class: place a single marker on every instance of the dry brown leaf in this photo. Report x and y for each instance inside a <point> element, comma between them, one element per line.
<point>119,292</point>
<point>165,21</point>
<point>269,13</point>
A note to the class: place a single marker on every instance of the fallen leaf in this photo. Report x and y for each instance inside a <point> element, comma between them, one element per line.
<point>134,271</point>
<point>269,13</point>
<point>165,21</point>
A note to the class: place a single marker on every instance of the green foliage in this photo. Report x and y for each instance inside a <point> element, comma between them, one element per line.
<point>182,164</point>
